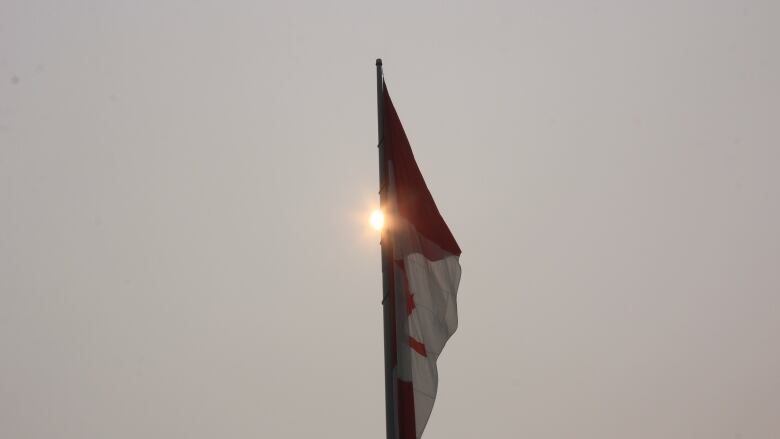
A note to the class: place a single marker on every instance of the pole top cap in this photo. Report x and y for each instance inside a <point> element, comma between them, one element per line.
<point>379,61</point>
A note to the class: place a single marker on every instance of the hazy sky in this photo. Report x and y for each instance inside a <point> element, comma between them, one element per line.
<point>185,190</point>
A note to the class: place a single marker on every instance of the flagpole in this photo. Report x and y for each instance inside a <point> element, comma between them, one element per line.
<point>388,305</point>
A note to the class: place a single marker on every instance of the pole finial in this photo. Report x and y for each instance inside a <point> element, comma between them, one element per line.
<point>379,61</point>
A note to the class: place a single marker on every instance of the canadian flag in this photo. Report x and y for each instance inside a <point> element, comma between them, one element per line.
<point>424,277</point>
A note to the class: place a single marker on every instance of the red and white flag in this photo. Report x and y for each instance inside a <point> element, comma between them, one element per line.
<point>423,281</point>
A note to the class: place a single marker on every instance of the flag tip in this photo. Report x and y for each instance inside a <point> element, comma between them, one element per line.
<point>379,61</point>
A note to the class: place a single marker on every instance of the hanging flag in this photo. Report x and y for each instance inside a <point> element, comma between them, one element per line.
<point>424,279</point>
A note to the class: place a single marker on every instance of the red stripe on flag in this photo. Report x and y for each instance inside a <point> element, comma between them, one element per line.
<point>391,313</point>
<point>415,202</point>
<point>407,428</point>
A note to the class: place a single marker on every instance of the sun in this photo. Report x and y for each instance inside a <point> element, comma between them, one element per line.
<point>377,219</point>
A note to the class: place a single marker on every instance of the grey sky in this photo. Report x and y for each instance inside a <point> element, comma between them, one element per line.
<point>185,188</point>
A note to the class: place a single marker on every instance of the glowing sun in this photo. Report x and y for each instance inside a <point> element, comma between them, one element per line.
<point>377,219</point>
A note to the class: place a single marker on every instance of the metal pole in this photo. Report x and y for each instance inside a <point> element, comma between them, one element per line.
<point>388,301</point>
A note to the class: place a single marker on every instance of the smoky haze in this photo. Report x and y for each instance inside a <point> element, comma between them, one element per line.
<point>185,190</point>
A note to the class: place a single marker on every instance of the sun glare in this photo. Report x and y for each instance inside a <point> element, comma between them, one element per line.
<point>377,219</point>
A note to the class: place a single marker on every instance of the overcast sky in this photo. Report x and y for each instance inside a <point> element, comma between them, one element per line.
<point>185,190</point>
